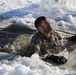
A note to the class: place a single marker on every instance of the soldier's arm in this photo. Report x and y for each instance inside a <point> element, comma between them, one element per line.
<point>34,47</point>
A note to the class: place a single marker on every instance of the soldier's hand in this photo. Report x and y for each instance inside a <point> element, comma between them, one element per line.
<point>73,38</point>
<point>57,59</point>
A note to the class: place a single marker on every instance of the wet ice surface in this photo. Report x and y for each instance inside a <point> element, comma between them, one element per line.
<point>22,14</point>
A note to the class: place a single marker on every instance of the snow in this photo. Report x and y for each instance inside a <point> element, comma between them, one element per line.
<point>62,14</point>
<point>29,66</point>
<point>24,12</point>
<point>28,21</point>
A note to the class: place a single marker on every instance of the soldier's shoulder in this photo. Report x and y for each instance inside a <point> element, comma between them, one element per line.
<point>36,37</point>
<point>54,32</point>
<point>57,34</point>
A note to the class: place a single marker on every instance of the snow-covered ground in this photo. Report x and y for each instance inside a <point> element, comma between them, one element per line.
<point>30,66</point>
<point>24,12</point>
<point>62,15</point>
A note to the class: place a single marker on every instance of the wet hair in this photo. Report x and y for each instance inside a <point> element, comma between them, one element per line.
<point>38,21</point>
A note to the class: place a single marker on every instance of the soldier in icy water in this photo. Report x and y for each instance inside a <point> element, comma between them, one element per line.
<point>46,42</point>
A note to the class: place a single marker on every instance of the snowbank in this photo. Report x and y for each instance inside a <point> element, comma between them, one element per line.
<point>24,13</point>
<point>26,21</point>
<point>29,66</point>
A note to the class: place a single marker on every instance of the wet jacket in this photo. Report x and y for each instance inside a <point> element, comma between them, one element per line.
<point>42,45</point>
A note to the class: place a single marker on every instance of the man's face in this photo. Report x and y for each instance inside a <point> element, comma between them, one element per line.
<point>46,26</point>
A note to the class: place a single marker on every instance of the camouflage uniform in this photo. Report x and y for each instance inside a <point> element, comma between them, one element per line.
<point>42,45</point>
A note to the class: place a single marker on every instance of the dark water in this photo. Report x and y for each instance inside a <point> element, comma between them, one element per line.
<point>10,33</point>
